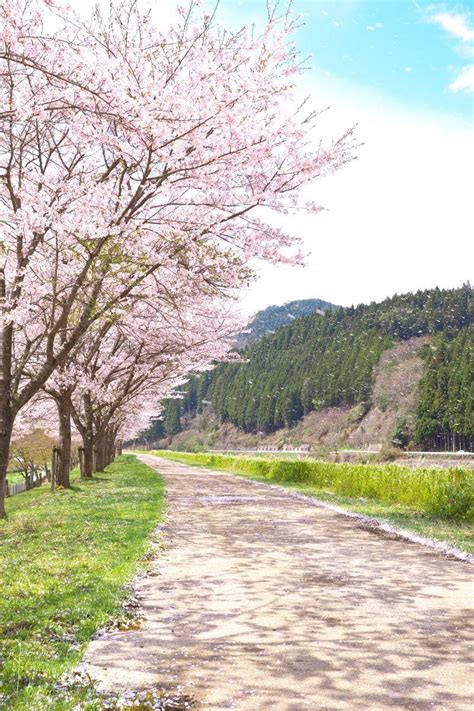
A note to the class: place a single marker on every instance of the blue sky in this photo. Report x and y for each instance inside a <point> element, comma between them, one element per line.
<point>399,218</point>
<point>395,47</point>
<point>407,50</point>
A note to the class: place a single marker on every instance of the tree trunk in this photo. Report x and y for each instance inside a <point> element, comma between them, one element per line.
<point>108,448</point>
<point>108,453</point>
<point>101,448</point>
<point>6,416</point>
<point>88,455</point>
<point>88,438</point>
<point>111,444</point>
<point>112,449</point>
<point>80,454</point>
<point>64,411</point>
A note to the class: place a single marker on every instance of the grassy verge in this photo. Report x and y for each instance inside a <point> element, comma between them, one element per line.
<point>65,558</point>
<point>434,503</point>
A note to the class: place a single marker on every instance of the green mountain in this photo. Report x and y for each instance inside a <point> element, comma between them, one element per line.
<point>401,370</point>
<point>273,317</point>
<point>329,360</point>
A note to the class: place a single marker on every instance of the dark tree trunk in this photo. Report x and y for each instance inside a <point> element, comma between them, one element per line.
<point>88,454</point>
<point>80,454</point>
<point>64,411</point>
<point>111,446</point>
<point>108,454</point>
<point>88,438</point>
<point>112,449</point>
<point>5,438</point>
<point>100,459</point>
<point>6,415</point>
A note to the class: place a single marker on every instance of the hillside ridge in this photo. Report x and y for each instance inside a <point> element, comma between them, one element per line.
<point>273,317</point>
<point>335,363</point>
<point>367,425</point>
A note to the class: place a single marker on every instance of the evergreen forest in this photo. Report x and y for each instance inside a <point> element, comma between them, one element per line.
<point>328,360</point>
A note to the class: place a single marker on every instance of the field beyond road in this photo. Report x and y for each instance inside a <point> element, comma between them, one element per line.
<point>265,601</point>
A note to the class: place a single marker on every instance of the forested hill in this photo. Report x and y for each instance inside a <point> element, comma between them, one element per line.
<point>273,317</point>
<point>329,359</point>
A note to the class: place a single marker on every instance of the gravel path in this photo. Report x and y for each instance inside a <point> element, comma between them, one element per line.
<point>263,601</point>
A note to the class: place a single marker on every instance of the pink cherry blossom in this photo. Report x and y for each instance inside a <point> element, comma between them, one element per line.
<point>138,166</point>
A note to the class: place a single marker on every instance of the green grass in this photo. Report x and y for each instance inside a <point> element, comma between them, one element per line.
<point>65,558</point>
<point>424,504</point>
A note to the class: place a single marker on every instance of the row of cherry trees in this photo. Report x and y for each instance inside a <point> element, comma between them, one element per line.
<point>138,168</point>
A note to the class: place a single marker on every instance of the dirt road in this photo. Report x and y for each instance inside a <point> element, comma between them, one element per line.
<point>264,601</point>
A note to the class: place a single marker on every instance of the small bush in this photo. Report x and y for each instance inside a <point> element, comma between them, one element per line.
<point>389,454</point>
<point>456,502</point>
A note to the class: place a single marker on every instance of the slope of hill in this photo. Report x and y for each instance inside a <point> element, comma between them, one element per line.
<point>393,399</point>
<point>273,317</point>
<point>401,371</point>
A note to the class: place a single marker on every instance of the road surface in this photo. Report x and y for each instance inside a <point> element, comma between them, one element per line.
<point>262,600</point>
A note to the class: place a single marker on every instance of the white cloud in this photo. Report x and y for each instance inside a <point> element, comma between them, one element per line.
<point>458,26</point>
<point>455,25</point>
<point>465,80</point>
<point>408,70</point>
<point>398,219</point>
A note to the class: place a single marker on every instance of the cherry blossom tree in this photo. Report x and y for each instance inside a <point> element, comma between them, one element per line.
<point>136,160</point>
<point>128,366</point>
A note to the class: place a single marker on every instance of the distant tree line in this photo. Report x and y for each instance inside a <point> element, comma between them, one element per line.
<point>328,360</point>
